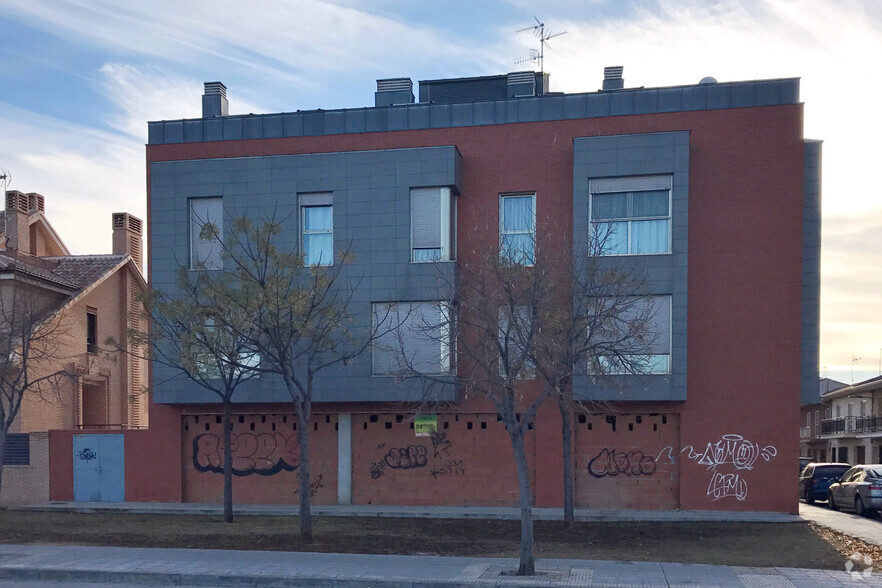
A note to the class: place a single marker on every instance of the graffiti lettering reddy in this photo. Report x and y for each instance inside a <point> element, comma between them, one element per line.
<point>264,454</point>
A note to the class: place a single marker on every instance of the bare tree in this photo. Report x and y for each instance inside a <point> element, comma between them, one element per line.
<point>32,352</point>
<point>595,321</point>
<point>193,331</point>
<point>299,320</point>
<point>493,320</point>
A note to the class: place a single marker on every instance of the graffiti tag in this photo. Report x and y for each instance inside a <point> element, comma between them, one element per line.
<point>451,466</point>
<point>734,450</point>
<point>87,454</point>
<point>727,485</point>
<point>314,485</point>
<point>731,450</point>
<point>406,458</point>
<point>264,454</point>
<point>610,462</point>
<point>440,443</point>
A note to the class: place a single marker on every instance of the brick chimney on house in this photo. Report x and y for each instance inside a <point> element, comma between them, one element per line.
<point>17,231</point>
<point>127,237</point>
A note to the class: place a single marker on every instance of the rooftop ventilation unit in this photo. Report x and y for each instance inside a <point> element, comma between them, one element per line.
<point>394,91</point>
<point>612,77</point>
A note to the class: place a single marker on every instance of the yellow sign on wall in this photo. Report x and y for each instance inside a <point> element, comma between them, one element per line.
<point>425,424</point>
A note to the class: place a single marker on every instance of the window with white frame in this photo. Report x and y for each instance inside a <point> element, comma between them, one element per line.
<point>515,332</point>
<point>432,224</point>
<point>636,338</point>
<point>317,229</point>
<point>411,337</point>
<point>631,216</point>
<point>206,233</point>
<point>517,228</point>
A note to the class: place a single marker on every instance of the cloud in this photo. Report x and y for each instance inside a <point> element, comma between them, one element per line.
<point>150,94</point>
<point>85,174</point>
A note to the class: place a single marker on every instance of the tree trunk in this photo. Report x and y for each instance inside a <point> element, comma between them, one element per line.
<point>566,430</point>
<point>527,565</point>
<point>2,452</point>
<point>303,469</point>
<point>228,460</point>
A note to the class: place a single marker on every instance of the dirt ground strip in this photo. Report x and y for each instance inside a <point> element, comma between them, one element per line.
<point>800,545</point>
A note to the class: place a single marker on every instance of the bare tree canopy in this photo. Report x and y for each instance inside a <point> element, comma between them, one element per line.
<point>32,352</point>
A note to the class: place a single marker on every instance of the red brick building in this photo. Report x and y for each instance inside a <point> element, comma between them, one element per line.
<point>730,248</point>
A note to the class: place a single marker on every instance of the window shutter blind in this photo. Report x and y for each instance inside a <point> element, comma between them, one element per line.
<point>426,218</point>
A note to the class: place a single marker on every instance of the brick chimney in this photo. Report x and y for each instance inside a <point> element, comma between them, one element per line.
<point>17,225</point>
<point>127,237</point>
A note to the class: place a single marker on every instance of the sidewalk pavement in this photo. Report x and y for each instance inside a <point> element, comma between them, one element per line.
<point>196,567</point>
<point>426,512</point>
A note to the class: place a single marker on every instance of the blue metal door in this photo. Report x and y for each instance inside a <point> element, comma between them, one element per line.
<point>99,468</point>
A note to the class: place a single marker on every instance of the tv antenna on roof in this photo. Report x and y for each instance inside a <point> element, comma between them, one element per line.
<point>544,35</point>
<point>5,179</point>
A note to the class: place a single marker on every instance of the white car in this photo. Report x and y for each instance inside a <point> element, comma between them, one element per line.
<point>860,488</point>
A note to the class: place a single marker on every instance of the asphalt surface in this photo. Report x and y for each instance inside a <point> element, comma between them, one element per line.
<point>866,529</point>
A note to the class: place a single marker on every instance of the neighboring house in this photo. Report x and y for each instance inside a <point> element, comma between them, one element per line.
<point>712,189</point>
<point>90,298</point>
<point>811,443</point>
<point>853,427</point>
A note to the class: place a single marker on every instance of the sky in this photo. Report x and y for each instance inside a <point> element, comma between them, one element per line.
<point>79,80</point>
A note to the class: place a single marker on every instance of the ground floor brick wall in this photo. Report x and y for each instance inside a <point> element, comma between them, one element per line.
<point>28,484</point>
<point>467,461</point>
<point>627,457</point>
<point>627,461</point>
<point>266,458</point>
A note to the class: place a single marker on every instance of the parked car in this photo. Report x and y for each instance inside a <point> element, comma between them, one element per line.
<point>860,488</point>
<point>804,461</point>
<point>815,480</point>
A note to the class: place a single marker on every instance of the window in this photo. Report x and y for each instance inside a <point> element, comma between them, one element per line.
<point>817,423</point>
<point>432,224</point>
<point>317,226</point>
<point>515,327</point>
<point>517,228</point>
<point>206,233</point>
<point>91,330</point>
<point>638,337</point>
<point>214,349</point>
<point>631,216</point>
<point>412,336</point>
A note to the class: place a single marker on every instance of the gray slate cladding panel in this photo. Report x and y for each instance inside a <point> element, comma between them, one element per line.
<point>811,272</point>
<point>639,161</point>
<point>371,197</point>
<point>430,115</point>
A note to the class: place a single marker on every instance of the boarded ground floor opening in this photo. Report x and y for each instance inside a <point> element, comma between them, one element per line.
<point>625,461</point>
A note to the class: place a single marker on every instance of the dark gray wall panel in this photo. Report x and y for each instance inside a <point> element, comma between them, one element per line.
<point>640,155</point>
<point>371,197</point>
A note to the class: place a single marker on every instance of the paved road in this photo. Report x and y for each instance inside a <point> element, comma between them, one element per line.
<point>868,529</point>
<point>121,566</point>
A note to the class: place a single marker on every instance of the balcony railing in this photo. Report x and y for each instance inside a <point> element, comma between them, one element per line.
<point>805,432</point>
<point>852,424</point>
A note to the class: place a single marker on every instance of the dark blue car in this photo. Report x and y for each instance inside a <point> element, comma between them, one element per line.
<point>815,480</point>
